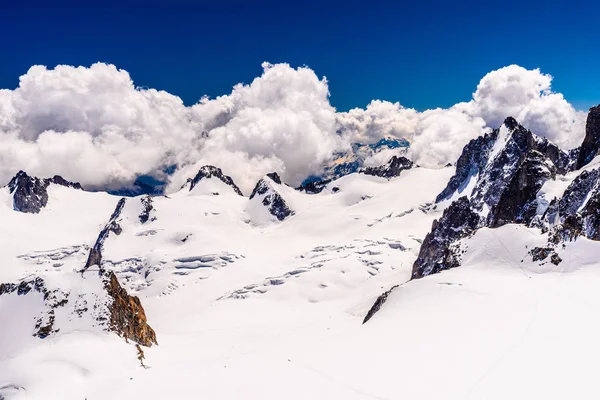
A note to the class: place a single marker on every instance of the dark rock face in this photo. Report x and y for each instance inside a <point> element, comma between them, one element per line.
<point>208,171</point>
<point>378,303</point>
<point>436,253</point>
<point>577,212</point>
<point>95,256</point>
<point>272,199</point>
<point>393,168</point>
<point>147,208</point>
<point>313,187</point>
<point>123,313</point>
<point>510,166</point>
<point>127,316</point>
<point>30,194</point>
<point>274,177</point>
<point>591,142</point>
<point>542,253</point>
<point>53,299</point>
<point>496,157</point>
<point>471,162</point>
<point>517,203</point>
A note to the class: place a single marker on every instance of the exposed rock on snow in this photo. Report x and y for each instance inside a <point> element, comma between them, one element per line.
<point>208,172</point>
<point>44,325</point>
<point>127,316</point>
<point>500,175</point>
<point>30,194</point>
<point>493,159</point>
<point>378,303</point>
<point>393,168</point>
<point>517,203</point>
<point>112,310</point>
<point>542,253</point>
<point>147,209</point>
<point>95,256</point>
<point>266,192</point>
<point>577,212</point>
<point>436,253</point>
<point>314,187</point>
<point>591,142</point>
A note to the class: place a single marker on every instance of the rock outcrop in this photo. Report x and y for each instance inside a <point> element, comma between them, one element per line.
<point>577,212</point>
<point>147,209</point>
<point>517,203</point>
<point>44,325</point>
<point>392,169</point>
<point>470,165</point>
<point>437,253</point>
<point>313,187</point>
<point>127,316</point>
<point>30,194</point>
<point>208,172</point>
<point>499,175</point>
<point>378,303</point>
<point>113,310</point>
<point>591,142</point>
<point>266,192</point>
<point>95,256</point>
<point>493,159</point>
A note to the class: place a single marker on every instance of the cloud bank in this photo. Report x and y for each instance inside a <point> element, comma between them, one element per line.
<point>93,125</point>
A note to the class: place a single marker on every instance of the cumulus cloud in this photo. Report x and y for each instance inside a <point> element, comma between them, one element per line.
<point>92,125</point>
<point>527,96</point>
<point>95,126</point>
<point>380,119</point>
<point>438,135</point>
<point>282,121</point>
<point>441,134</point>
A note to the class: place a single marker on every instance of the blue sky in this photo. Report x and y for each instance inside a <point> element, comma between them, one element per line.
<point>424,54</point>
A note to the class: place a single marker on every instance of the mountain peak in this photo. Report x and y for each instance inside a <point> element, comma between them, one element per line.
<point>591,141</point>
<point>392,169</point>
<point>511,123</point>
<point>210,171</point>
<point>30,193</point>
<point>268,195</point>
<point>274,177</point>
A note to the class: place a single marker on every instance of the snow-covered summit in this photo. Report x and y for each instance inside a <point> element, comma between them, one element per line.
<point>268,194</point>
<point>30,193</point>
<point>210,180</point>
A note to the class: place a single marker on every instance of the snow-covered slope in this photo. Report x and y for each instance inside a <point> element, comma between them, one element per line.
<point>208,293</point>
<point>199,262</point>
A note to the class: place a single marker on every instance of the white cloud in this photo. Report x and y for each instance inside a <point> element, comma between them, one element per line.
<point>527,96</point>
<point>439,135</point>
<point>94,126</point>
<point>379,120</point>
<point>281,121</point>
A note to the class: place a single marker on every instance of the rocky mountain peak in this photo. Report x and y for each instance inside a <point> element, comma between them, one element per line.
<point>267,193</point>
<point>437,253</point>
<point>208,172</point>
<point>591,142</point>
<point>511,123</point>
<point>499,176</point>
<point>30,193</point>
<point>274,177</point>
<point>393,168</point>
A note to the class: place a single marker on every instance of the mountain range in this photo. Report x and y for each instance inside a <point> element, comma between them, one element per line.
<point>476,280</point>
